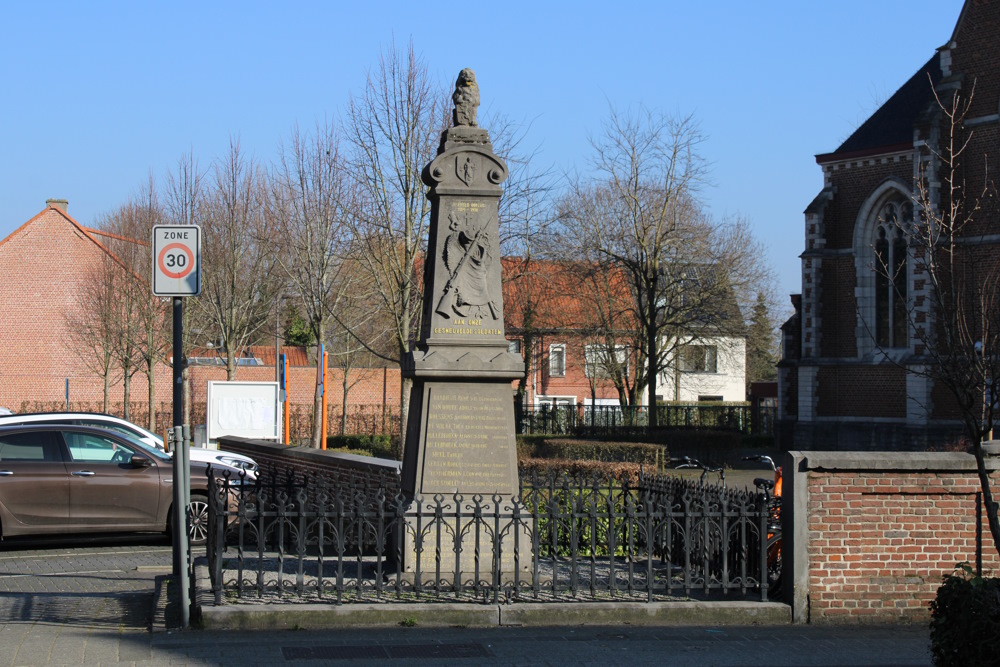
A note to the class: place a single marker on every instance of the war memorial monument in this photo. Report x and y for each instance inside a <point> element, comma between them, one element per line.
<point>460,426</point>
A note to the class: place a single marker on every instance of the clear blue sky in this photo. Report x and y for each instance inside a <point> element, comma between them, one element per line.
<point>98,94</point>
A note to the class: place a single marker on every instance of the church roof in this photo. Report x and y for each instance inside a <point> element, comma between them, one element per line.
<point>891,126</point>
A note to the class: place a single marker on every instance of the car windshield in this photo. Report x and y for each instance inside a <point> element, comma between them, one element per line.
<point>139,444</point>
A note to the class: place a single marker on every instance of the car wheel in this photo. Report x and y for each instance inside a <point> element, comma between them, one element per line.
<point>198,532</point>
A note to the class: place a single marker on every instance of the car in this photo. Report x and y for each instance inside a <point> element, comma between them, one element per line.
<point>67,478</point>
<point>110,422</point>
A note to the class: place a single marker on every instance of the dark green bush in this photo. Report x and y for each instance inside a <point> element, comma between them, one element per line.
<point>623,472</point>
<point>591,450</point>
<point>380,446</point>
<point>965,620</point>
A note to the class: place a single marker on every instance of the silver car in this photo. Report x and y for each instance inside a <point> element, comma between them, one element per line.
<point>112,423</point>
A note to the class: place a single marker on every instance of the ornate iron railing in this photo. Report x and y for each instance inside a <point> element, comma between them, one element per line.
<point>561,538</point>
<point>614,420</point>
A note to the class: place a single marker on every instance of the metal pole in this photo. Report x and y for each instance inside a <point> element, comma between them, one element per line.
<point>181,530</point>
<point>181,470</point>
<point>186,579</point>
<point>177,513</point>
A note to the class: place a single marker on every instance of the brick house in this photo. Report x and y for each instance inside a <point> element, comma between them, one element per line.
<point>45,265</point>
<point>553,317</point>
<point>849,375</point>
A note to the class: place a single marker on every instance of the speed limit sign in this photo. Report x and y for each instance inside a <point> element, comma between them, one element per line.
<point>176,260</point>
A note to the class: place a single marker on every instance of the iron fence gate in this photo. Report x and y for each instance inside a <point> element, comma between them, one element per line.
<point>561,538</point>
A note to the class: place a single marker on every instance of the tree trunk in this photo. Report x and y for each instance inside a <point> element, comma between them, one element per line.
<point>126,393</point>
<point>651,380</point>
<point>107,390</point>
<point>984,481</point>
<point>343,404</point>
<point>151,381</point>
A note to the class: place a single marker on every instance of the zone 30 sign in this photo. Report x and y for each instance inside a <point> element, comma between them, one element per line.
<point>176,260</point>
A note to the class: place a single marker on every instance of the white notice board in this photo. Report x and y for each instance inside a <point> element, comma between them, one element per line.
<point>244,409</point>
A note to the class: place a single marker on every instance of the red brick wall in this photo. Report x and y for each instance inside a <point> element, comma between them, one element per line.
<point>862,391</point>
<point>881,532</point>
<point>976,54</point>
<point>838,308</point>
<point>575,382</point>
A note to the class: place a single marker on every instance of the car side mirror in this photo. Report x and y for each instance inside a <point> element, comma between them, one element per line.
<point>138,461</point>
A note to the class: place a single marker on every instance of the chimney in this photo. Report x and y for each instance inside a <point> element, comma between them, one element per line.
<point>60,204</point>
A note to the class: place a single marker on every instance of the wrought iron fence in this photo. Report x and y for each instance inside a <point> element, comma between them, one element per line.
<point>614,420</point>
<point>560,538</point>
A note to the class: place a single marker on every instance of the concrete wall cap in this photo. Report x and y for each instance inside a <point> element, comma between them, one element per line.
<point>308,453</point>
<point>931,461</point>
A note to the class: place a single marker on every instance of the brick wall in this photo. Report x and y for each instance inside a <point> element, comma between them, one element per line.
<point>869,536</point>
<point>862,391</point>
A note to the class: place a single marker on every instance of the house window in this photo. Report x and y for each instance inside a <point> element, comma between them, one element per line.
<point>514,346</point>
<point>557,361</point>
<point>890,274</point>
<point>599,364</point>
<point>700,359</point>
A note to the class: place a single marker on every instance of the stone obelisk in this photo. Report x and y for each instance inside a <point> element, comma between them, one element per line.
<point>460,427</point>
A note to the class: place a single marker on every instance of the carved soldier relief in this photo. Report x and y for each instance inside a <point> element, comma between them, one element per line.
<point>469,253</point>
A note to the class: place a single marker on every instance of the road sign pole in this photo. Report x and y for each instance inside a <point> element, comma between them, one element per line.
<point>177,273</point>
<point>179,511</point>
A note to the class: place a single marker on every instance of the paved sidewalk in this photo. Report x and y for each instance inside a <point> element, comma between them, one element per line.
<point>93,605</point>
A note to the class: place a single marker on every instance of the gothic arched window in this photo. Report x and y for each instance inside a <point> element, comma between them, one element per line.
<point>890,263</point>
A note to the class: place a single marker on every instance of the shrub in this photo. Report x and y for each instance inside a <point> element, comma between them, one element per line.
<point>622,472</point>
<point>965,619</point>
<point>597,450</point>
<point>380,446</point>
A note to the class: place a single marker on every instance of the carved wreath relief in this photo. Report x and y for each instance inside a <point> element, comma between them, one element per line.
<point>469,253</point>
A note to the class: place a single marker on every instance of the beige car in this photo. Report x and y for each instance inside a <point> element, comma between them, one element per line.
<point>57,479</point>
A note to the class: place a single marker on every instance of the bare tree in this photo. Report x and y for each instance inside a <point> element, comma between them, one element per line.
<point>91,326</point>
<point>615,342</point>
<point>953,313</point>
<point>640,214</point>
<point>153,340</point>
<point>313,205</point>
<point>393,127</point>
<point>238,272</point>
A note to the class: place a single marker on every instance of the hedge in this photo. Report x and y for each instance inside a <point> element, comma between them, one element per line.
<point>965,620</point>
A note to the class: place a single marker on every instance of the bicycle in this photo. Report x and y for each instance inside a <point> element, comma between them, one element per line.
<point>771,488</point>
<point>688,462</point>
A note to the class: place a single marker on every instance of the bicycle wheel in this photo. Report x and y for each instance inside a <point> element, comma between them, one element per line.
<point>774,570</point>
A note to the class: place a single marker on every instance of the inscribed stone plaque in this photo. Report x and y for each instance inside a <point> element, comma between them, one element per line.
<point>468,439</point>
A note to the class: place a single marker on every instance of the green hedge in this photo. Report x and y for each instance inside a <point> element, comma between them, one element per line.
<point>381,446</point>
<point>592,450</point>
<point>621,471</point>
<point>965,620</point>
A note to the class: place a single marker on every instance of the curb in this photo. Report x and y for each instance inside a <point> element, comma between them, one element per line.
<point>328,616</point>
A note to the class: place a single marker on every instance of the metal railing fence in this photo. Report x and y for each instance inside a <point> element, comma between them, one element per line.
<point>614,420</point>
<point>561,538</point>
